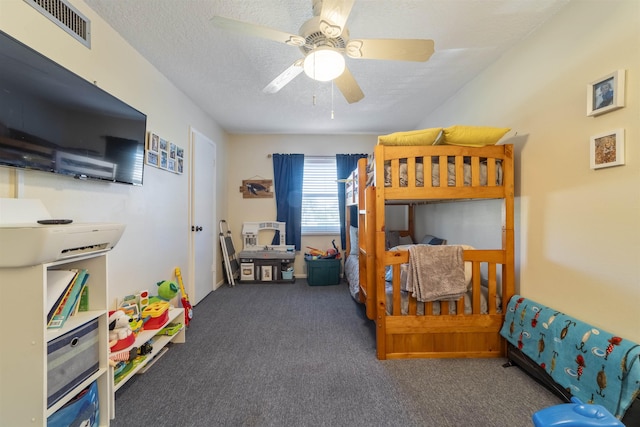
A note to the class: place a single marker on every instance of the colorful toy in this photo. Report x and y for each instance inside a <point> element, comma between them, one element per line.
<point>188,309</point>
<point>120,333</point>
<point>123,356</point>
<point>576,414</point>
<point>156,315</point>
<point>171,329</point>
<point>166,290</point>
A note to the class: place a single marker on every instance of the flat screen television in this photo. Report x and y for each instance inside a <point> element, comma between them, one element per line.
<point>53,120</point>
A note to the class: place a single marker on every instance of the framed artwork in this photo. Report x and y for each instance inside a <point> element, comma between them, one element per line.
<point>153,142</point>
<point>606,94</point>
<point>266,273</point>
<point>179,159</point>
<point>256,188</point>
<point>607,149</point>
<point>164,159</point>
<point>152,158</point>
<point>164,154</point>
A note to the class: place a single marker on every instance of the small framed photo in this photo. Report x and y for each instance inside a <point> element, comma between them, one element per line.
<point>164,159</point>
<point>606,94</point>
<point>153,143</point>
<point>266,273</point>
<point>607,149</point>
<point>152,158</point>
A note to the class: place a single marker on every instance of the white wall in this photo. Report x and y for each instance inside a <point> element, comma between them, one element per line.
<point>577,232</point>
<point>248,159</point>
<point>156,238</point>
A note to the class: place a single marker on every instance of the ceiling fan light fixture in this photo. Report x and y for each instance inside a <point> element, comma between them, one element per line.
<point>324,64</point>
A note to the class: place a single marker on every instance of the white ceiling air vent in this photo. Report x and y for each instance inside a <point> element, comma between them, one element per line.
<point>66,17</point>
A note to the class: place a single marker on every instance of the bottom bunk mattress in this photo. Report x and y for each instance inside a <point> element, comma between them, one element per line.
<point>420,306</point>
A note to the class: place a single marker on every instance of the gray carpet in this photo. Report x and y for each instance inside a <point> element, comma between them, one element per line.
<point>299,355</point>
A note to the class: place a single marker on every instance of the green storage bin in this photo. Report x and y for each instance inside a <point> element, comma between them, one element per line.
<point>323,272</point>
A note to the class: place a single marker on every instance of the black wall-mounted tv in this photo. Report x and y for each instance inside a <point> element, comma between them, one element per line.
<point>53,120</point>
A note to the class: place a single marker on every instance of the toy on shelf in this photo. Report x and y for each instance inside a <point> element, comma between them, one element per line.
<point>171,329</point>
<point>120,333</point>
<point>123,356</point>
<point>155,315</point>
<point>167,290</point>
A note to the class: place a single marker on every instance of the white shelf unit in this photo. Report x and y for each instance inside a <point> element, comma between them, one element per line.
<point>23,361</point>
<point>176,315</point>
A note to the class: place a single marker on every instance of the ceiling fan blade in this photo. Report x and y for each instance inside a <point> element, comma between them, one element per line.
<point>394,49</point>
<point>334,15</point>
<point>285,77</point>
<point>257,31</point>
<point>349,87</point>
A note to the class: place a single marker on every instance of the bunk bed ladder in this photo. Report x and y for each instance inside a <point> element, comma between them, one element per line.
<point>231,264</point>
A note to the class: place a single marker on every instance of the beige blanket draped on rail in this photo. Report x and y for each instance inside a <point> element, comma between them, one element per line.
<point>436,273</point>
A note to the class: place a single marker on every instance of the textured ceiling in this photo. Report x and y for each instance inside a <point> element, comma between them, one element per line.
<point>224,72</point>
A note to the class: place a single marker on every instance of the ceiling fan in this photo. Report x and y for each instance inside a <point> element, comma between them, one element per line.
<point>324,40</point>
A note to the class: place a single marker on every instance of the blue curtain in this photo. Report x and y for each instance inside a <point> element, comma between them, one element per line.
<point>288,171</point>
<point>345,164</point>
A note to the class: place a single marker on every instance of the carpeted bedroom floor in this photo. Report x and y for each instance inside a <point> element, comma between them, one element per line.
<point>299,355</point>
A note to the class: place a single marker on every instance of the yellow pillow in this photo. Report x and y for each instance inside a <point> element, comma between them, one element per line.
<point>472,136</point>
<point>412,137</point>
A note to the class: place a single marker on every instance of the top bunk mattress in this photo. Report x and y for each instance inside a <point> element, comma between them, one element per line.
<point>442,172</point>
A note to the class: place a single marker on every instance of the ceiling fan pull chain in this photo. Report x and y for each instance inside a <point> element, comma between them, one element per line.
<point>332,115</point>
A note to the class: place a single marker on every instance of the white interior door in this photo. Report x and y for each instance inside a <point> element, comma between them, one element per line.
<point>203,217</point>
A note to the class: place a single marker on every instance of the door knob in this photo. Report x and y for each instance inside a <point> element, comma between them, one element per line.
<point>196,228</point>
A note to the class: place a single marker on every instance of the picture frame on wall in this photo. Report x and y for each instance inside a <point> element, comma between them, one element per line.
<point>607,149</point>
<point>164,159</point>
<point>606,93</point>
<point>152,158</point>
<point>153,143</point>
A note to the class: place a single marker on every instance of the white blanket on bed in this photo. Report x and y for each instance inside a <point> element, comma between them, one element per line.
<point>436,273</point>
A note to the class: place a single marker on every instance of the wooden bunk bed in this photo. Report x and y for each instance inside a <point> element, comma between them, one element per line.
<point>405,327</point>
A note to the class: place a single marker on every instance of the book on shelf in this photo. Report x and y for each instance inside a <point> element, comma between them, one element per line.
<point>83,300</point>
<point>59,283</point>
<point>69,300</point>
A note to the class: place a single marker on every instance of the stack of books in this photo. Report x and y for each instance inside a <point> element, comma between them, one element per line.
<point>67,293</point>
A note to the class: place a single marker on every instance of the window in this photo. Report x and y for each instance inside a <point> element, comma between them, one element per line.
<point>320,212</point>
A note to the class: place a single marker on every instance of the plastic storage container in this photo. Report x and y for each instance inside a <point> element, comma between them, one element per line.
<point>323,272</point>
<point>287,274</point>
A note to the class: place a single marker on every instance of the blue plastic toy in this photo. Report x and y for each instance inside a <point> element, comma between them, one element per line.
<point>575,414</point>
